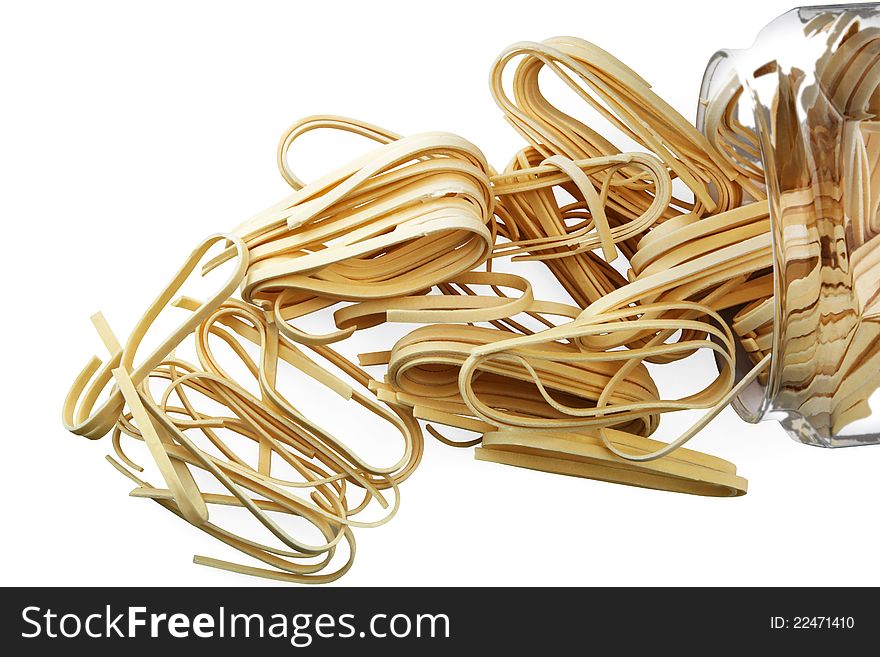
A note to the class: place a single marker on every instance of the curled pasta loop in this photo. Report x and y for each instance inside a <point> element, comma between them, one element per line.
<point>427,367</point>
<point>324,122</point>
<point>79,414</point>
<point>522,350</point>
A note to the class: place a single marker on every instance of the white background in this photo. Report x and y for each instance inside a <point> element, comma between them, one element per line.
<point>130,131</point>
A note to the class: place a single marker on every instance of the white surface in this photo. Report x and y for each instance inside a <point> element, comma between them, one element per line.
<point>122,124</point>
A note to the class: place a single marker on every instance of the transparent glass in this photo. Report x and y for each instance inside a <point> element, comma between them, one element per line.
<point>802,105</point>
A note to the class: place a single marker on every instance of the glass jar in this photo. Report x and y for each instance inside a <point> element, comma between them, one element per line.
<point>797,113</point>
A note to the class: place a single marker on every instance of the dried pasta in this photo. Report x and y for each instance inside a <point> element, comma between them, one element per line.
<point>411,233</point>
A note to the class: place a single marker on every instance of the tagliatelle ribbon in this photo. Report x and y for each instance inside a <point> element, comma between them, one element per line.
<point>426,309</point>
<point>583,454</point>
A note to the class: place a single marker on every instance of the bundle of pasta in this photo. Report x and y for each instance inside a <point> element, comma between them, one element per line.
<point>413,213</point>
<point>204,419</point>
<point>626,101</point>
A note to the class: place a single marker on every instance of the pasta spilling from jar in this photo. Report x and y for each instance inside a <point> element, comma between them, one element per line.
<point>658,253</point>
